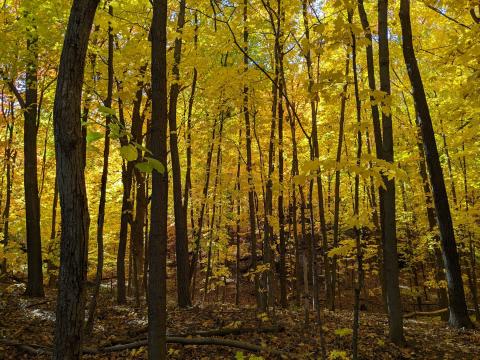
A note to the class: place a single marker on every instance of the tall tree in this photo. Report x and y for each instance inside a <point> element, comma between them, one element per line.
<point>183,293</point>
<point>71,183</point>
<point>248,145</point>
<point>456,294</point>
<point>157,246</point>
<point>390,254</point>
<point>103,183</point>
<point>30,108</point>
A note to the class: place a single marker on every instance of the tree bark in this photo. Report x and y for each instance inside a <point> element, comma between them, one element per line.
<point>390,255</point>
<point>248,145</point>
<point>32,202</point>
<point>457,304</point>
<point>157,280</point>
<point>103,185</point>
<point>183,291</point>
<point>71,183</point>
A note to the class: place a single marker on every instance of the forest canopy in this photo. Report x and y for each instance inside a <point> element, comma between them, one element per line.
<point>297,163</point>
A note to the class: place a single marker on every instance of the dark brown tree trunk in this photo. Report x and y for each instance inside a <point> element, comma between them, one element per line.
<point>32,202</point>
<point>188,134</point>
<point>295,172</point>
<point>356,207</point>
<point>53,235</point>
<point>103,185</point>
<point>329,282</point>
<point>281,215</point>
<point>457,304</point>
<point>248,144</point>
<point>127,179</point>
<point>432,222</point>
<point>157,246</point>
<point>218,166</point>
<point>71,183</point>
<point>237,221</point>
<point>198,231</point>
<point>377,132</point>
<point>10,156</point>
<point>390,255</point>
<point>138,223</point>
<point>183,293</point>
<point>336,209</point>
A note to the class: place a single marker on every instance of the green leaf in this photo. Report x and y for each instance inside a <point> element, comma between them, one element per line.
<point>93,136</point>
<point>129,152</point>
<point>106,110</point>
<point>144,167</point>
<point>155,164</point>
<point>114,131</point>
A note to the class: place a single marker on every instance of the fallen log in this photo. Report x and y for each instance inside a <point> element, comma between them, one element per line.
<point>222,331</point>
<point>426,313</point>
<point>193,341</point>
<point>32,349</point>
<point>42,350</point>
<point>431,313</point>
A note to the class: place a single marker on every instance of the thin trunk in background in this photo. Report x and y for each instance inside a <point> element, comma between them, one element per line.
<point>103,184</point>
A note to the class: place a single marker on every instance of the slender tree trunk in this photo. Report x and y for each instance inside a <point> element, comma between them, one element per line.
<point>390,255</point>
<point>377,132</point>
<point>71,183</point>
<point>103,185</point>
<point>237,221</point>
<point>198,231</point>
<point>187,194</point>
<point>329,283</point>
<point>472,272</point>
<point>10,156</point>
<point>457,304</point>
<point>214,205</point>
<point>281,215</point>
<point>53,235</point>
<point>432,222</point>
<point>356,207</point>
<point>248,144</point>
<point>336,210</point>
<point>32,202</point>
<point>183,293</point>
<point>127,179</point>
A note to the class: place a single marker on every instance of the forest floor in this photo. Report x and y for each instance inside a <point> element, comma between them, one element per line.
<point>28,324</point>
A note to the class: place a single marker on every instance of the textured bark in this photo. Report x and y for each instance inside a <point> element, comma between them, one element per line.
<point>71,183</point>
<point>356,205</point>
<point>103,186</point>
<point>157,280</point>
<point>248,145</point>
<point>377,133</point>
<point>390,254</point>
<point>329,282</point>
<point>198,231</point>
<point>32,202</point>
<point>442,297</point>
<point>237,222</point>
<point>127,179</point>
<point>218,167</point>
<point>336,209</point>
<point>183,293</point>
<point>10,156</point>
<point>457,304</point>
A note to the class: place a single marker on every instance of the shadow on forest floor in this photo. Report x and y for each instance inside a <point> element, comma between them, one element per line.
<point>31,322</point>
